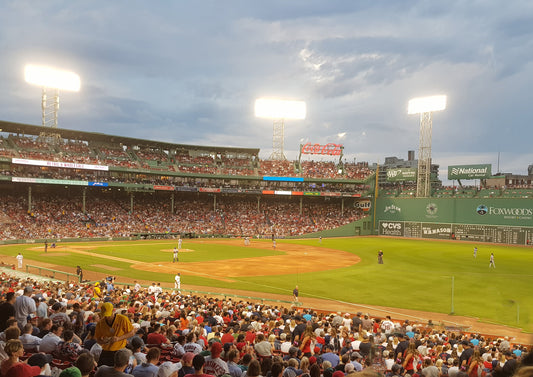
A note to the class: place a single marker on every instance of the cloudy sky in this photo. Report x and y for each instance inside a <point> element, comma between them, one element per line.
<point>189,72</point>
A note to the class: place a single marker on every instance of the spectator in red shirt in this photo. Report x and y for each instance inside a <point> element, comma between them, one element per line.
<point>155,337</point>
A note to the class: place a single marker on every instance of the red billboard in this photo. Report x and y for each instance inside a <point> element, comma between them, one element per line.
<point>329,149</point>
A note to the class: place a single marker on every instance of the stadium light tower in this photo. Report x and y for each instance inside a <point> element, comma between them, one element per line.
<point>279,110</point>
<point>425,106</point>
<point>51,81</point>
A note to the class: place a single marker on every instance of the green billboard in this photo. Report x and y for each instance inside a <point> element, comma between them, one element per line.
<point>401,174</point>
<point>457,172</point>
<point>484,211</point>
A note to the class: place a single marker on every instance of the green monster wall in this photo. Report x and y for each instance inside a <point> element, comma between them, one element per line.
<point>479,219</point>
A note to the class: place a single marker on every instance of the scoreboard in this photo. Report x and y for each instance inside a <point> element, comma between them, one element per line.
<point>514,235</point>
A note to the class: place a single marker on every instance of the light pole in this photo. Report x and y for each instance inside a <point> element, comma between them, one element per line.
<point>51,81</point>
<point>279,110</point>
<point>425,106</point>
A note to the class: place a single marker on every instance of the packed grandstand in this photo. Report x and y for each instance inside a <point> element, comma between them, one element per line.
<point>73,184</point>
<point>56,328</point>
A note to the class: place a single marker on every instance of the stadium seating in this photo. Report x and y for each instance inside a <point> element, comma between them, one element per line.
<point>54,215</point>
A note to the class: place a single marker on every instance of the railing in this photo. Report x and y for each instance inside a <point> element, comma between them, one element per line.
<point>186,291</point>
<point>54,272</point>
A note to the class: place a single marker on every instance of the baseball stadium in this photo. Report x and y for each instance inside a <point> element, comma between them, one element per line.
<point>88,207</point>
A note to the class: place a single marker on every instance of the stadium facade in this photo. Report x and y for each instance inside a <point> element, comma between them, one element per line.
<point>79,170</point>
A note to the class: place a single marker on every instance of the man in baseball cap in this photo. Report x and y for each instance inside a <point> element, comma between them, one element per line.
<point>112,333</point>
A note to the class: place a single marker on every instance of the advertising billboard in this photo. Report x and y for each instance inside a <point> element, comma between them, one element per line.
<point>401,174</point>
<point>481,171</point>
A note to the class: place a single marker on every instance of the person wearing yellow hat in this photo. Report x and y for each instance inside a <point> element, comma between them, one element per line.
<point>97,291</point>
<point>112,332</point>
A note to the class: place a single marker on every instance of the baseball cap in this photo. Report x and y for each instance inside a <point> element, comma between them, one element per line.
<point>167,368</point>
<point>216,349</point>
<point>187,358</point>
<point>23,370</point>
<point>70,372</point>
<point>106,309</point>
<point>39,359</point>
<point>288,372</point>
<point>338,373</point>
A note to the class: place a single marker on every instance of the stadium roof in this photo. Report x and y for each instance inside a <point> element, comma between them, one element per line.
<point>28,129</point>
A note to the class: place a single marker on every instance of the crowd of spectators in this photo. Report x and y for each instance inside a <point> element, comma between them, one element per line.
<point>110,330</point>
<point>158,178</point>
<point>57,216</point>
<point>76,151</point>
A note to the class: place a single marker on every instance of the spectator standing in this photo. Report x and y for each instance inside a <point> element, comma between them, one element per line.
<point>7,310</point>
<point>24,306</point>
<point>112,332</point>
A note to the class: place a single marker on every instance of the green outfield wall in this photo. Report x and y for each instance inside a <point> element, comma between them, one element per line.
<point>361,227</point>
<point>477,219</point>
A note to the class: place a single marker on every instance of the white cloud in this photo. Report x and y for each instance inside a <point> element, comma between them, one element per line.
<point>189,72</point>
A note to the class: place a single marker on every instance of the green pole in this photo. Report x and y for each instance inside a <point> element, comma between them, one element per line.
<point>453,286</point>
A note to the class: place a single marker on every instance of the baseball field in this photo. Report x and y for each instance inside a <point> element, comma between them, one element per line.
<point>431,276</point>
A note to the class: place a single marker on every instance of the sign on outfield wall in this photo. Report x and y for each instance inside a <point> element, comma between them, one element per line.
<point>401,174</point>
<point>391,228</point>
<point>364,204</point>
<point>469,171</point>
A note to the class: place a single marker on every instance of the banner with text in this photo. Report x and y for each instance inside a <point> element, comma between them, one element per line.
<point>481,171</point>
<point>401,174</point>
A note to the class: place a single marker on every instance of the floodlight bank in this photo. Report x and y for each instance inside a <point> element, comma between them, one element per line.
<point>280,109</point>
<point>47,77</point>
<point>426,104</point>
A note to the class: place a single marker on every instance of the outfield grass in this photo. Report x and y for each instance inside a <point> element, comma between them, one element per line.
<point>416,274</point>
